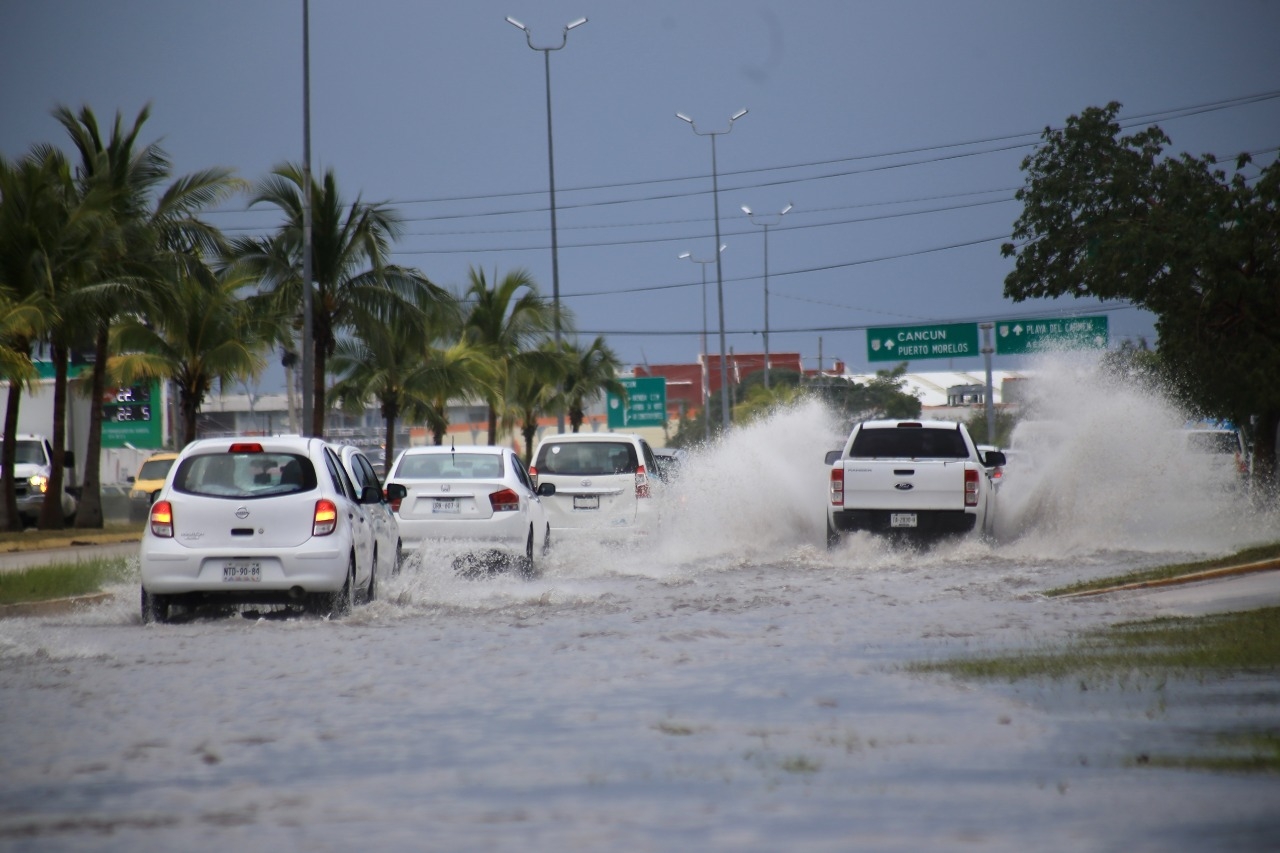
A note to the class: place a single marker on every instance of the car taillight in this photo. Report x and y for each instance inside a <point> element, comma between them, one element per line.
<point>533,471</point>
<point>837,486</point>
<point>395,502</point>
<point>971,487</point>
<point>245,447</point>
<point>162,519</point>
<point>642,482</point>
<point>504,501</point>
<point>325,520</point>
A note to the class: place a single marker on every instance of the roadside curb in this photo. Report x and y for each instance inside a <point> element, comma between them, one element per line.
<point>1210,574</point>
<point>53,606</point>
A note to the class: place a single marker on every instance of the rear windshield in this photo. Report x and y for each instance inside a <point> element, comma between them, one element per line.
<point>909,443</point>
<point>155,469</point>
<point>581,458</point>
<point>245,475</point>
<point>449,466</point>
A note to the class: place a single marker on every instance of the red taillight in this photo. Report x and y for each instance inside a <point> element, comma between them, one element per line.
<point>395,502</point>
<point>642,482</point>
<point>325,520</point>
<point>162,519</point>
<point>971,487</point>
<point>837,486</point>
<point>533,471</point>
<point>246,447</point>
<point>504,501</point>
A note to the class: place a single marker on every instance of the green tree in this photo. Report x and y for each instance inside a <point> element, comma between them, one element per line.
<point>533,388</point>
<point>590,372</point>
<point>507,322</point>
<point>1108,216</point>
<point>349,249</point>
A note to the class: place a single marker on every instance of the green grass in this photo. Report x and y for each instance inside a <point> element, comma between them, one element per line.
<point>61,580</point>
<point>1236,752</point>
<point>1249,555</point>
<point>30,540</point>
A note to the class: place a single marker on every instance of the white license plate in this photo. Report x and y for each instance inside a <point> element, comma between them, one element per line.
<point>238,571</point>
<point>902,519</point>
<point>586,501</point>
<point>447,505</point>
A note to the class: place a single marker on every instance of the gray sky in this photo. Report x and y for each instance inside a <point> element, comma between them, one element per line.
<point>895,129</point>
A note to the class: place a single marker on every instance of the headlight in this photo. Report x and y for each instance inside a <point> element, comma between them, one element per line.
<point>39,482</point>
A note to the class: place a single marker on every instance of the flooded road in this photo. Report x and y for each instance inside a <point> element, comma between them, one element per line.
<point>730,686</point>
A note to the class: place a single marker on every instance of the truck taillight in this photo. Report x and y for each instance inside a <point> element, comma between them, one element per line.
<point>504,501</point>
<point>325,520</point>
<point>162,519</point>
<point>971,487</point>
<point>837,486</point>
<point>642,482</point>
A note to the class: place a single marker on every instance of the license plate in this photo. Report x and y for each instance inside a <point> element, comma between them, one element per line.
<point>902,519</point>
<point>447,505</point>
<point>586,501</point>
<point>237,571</point>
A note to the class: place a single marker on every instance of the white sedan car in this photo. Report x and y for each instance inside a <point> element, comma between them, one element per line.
<point>261,521</point>
<point>482,497</point>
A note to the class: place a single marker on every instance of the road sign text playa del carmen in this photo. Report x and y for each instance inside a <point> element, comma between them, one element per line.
<point>905,343</point>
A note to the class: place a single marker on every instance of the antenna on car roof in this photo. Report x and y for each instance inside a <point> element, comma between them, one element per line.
<point>452,449</point>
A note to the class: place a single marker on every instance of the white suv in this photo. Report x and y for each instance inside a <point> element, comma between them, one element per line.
<point>605,483</point>
<point>258,520</point>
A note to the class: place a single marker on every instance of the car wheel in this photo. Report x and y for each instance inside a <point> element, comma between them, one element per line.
<point>155,608</point>
<point>833,535</point>
<point>546,542</point>
<point>371,591</point>
<point>395,567</point>
<point>339,603</point>
<point>526,563</point>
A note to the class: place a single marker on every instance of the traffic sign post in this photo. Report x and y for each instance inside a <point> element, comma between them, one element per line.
<point>908,343</point>
<point>645,406</point>
<point>1018,337</point>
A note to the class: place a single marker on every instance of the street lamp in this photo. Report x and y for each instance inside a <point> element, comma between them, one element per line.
<point>765,223</point>
<point>715,197</point>
<point>551,168</point>
<point>706,389</point>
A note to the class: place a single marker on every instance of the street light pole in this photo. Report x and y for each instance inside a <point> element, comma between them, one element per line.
<point>551,169</point>
<point>308,361</point>
<point>706,380</point>
<point>765,223</point>
<point>715,196</point>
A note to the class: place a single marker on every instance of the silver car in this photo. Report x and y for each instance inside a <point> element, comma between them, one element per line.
<point>260,521</point>
<point>387,544</point>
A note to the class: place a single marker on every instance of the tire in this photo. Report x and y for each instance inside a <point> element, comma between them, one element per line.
<point>338,604</point>
<point>546,542</point>
<point>155,608</point>
<point>395,567</point>
<point>371,591</point>
<point>525,563</point>
<point>833,535</point>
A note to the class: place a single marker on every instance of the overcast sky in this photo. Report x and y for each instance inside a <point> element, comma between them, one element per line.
<point>895,129</point>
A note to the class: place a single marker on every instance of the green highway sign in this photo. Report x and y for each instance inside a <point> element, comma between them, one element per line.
<point>645,406</point>
<point>908,343</point>
<point>1015,337</point>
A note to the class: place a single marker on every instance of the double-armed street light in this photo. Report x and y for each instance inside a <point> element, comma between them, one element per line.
<point>765,222</point>
<point>551,168</point>
<point>715,196</point>
<point>706,380</point>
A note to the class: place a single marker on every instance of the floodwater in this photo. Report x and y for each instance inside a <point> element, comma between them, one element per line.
<point>730,686</point>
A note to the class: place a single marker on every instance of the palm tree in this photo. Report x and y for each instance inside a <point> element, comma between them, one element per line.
<point>534,388</point>
<point>507,322</point>
<point>350,246</point>
<point>208,332</point>
<point>143,241</point>
<point>592,371</point>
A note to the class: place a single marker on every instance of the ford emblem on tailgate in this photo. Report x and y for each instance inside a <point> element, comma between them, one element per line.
<point>904,487</point>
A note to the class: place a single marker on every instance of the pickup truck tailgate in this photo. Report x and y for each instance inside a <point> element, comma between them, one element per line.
<point>906,485</point>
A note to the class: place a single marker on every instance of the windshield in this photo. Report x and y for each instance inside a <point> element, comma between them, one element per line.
<point>587,459</point>
<point>155,469</point>
<point>909,443</point>
<point>30,452</point>
<point>245,475</point>
<point>449,466</point>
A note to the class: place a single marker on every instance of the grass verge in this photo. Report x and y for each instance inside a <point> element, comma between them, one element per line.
<point>1159,573</point>
<point>61,580</point>
<point>36,540</point>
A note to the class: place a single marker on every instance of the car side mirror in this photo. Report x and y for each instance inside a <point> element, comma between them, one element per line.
<point>833,456</point>
<point>396,492</point>
<point>129,480</point>
<point>371,495</point>
<point>994,459</point>
<point>546,490</point>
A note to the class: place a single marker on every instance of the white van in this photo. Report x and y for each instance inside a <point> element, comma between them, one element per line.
<point>606,483</point>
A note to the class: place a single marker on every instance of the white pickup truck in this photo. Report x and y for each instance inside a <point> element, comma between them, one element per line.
<point>920,478</point>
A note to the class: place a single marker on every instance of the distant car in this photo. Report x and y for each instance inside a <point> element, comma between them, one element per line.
<point>145,485</point>
<point>605,483</point>
<point>480,496</point>
<point>387,543</point>
<point>255,520</point>
<point>995,472</point>
<point>1225,446</point>
<point>671,461</point>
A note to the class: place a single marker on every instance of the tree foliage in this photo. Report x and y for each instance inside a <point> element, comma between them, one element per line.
<point>1109,216</point>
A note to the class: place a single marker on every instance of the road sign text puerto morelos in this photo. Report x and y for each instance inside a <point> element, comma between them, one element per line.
<point>907,343</point>
<point>1014,337</point>
<point>645,406</point>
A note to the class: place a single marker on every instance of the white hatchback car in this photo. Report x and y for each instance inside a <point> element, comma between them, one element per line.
<point>482,496</point>
<point>257,520</point>
<point>387,545</point>
<point>606,483</point>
